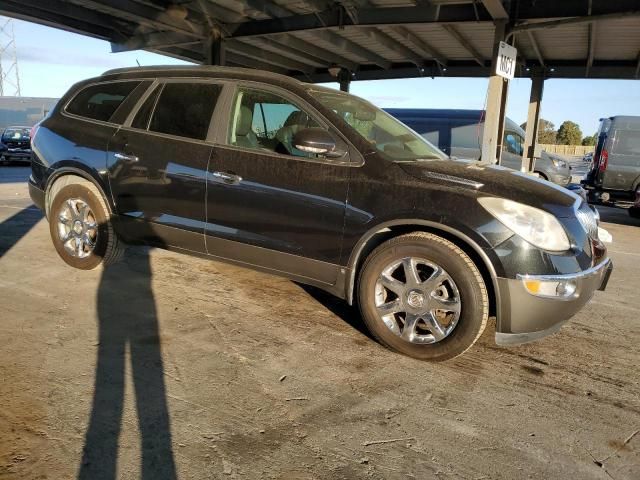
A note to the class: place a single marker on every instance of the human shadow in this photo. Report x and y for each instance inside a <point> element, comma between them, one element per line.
<point>619,216</point>
<point>128,319</point>
<point>17,226</point>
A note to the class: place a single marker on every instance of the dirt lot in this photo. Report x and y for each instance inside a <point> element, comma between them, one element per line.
<point>167,366</point>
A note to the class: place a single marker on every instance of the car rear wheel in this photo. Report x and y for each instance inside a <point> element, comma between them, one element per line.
<point>80,225</point>
<point>421,295</point>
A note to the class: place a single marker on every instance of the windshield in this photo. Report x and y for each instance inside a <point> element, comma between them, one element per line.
<point>16,134</point>
<point>393,139</point>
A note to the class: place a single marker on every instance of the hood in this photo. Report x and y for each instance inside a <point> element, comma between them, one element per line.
<point>497,181</point>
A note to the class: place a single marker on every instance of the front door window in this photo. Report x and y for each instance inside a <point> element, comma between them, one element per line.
<point>267,122</point>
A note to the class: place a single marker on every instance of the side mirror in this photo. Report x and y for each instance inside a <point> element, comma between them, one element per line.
<point>316,140</point>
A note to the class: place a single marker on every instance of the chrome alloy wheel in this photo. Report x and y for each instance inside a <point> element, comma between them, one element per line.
<point>417,300</point>
<point>77,228</point>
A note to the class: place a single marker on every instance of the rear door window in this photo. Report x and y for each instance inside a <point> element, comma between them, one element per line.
<point>185,109</point>
<point>627,142</point>
<point>99,102</point>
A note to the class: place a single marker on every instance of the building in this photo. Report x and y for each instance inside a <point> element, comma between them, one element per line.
<point>25,111</point>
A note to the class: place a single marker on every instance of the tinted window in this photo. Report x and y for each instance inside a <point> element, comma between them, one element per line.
<point>99,102</point>
<point>185,109</point>
<point>141,119</point>
<point>513,143</point>
<point>266,121</point>
<point>16,134</point>
<point>627,142</point>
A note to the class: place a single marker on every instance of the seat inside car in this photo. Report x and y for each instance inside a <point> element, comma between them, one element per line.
<point>245,136</point>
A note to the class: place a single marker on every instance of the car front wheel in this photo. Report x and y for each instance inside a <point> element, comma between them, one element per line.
<point>421,295</point>
<point>80,225</point>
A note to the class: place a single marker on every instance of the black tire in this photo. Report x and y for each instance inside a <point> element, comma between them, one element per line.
<point>474,303</point>
<point>108,247</point>
<point>634,212</point>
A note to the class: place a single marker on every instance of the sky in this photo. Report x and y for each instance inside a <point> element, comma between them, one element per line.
<point>51,60</point>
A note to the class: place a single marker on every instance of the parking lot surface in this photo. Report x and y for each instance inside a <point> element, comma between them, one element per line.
<point>166,366</point>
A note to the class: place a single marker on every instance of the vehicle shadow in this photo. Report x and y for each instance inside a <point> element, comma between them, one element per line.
<point>340,308</point>
<point>618,216</point>
<point>17,226</point>
<point>128,321</point>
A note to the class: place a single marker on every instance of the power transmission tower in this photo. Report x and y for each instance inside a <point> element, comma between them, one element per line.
<point>9,75</point>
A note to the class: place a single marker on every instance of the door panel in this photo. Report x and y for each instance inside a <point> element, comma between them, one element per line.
<point>269,203</point>
<point>159,186</point>
<point>284,204</point>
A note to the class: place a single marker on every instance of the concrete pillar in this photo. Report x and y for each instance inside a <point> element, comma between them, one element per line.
<point>344,79</point>
<point>496,104</point>
<point>214,51</point>
<point>533,119</point>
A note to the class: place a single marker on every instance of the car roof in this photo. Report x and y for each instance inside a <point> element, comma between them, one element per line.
<point>208,71</point>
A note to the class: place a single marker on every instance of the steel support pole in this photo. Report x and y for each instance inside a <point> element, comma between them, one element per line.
<point>496,103</point>
<point>344,79</point>
<point>214,51</point>
<point>533,120</point>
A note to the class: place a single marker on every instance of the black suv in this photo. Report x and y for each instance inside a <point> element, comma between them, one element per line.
<point>322,187</point>
<point>15,145</point>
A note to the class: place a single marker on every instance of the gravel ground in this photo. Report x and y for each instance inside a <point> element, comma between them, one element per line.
<point>167,366</point>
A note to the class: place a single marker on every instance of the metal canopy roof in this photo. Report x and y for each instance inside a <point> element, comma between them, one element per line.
<point>374,39</point>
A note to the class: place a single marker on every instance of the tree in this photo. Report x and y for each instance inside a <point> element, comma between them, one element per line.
<point>589,140</point>
<point>569,134</point>
<point>546,131</point>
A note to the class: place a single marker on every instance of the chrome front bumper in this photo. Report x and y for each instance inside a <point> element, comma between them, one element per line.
<point>526,316</point>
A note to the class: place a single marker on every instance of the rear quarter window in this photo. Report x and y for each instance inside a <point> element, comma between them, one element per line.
<point>99,102</point>
<point>627,142</point>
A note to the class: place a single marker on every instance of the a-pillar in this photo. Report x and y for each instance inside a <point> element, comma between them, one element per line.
<point>496,104</point>
<point>533,120</point>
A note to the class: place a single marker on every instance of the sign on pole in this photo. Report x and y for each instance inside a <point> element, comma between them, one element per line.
<point>506,64</point>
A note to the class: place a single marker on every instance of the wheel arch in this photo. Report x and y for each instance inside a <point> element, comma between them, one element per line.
<point>391,229</point>
<point>66,171</point>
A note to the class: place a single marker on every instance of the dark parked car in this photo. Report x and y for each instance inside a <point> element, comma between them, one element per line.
<point>15,145</point>
<point>319,186</point>
<point>459,133</point>
<point>614,177</point>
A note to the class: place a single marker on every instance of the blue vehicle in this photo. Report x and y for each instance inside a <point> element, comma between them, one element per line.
<point>458,133</point>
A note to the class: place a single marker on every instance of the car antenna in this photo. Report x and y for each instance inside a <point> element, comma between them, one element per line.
<point>138,62</point>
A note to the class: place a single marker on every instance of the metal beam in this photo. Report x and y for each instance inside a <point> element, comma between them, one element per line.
<point>536,48</point>
<point>496,101</point>
<point>55,20</point>
<point>263,55</point>
<point>144,15</point>
<point>533,119</point>
<point>496,9</point>
<point>74,13</point>
<point>288,51</point>
<point>392,44</point>
<point>421,45</point>
<point>523,27</point>
<point>248,62</point>
<point>155,41</point>
<point>366,16</point>
<point>348,46</point>
<point>465,43</point>
<point>591,47</point>
<point>305,47</point>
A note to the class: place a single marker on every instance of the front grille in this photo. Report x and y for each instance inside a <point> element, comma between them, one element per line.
<point>587,219</point>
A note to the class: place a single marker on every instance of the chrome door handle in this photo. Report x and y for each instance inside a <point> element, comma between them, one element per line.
<point>227,177</point>
<point>126,158</point>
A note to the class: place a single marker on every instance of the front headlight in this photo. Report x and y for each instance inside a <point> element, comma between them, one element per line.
<point>537,227</point>
<point>559,163</point>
